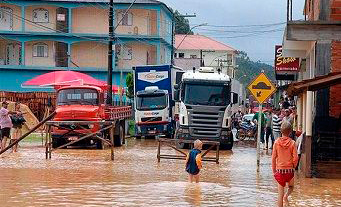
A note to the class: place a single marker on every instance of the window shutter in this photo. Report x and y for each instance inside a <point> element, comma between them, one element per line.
<point>130,19</point>
<point>46,51</point>
<point>35,50</point>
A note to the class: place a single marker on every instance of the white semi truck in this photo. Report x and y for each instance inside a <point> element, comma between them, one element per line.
<point>205,101</point>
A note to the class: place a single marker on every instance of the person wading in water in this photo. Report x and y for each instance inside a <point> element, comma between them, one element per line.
<point>194,162</point>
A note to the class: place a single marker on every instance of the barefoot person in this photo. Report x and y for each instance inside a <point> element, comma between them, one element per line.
<point>284,161</point>
<point>17,121</point>
<point>193,162</point>
<point>5,124</point>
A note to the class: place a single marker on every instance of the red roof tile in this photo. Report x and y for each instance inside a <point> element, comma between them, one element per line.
<point>199,42</point>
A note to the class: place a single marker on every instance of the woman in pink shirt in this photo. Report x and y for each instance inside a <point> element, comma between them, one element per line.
<point>284,161</point>
<point>5,124</point>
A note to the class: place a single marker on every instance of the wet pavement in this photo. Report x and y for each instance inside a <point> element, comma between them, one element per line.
<point>80,177</point>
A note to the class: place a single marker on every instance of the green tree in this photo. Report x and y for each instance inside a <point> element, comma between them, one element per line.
<point>181,24</point>
<point>130,85</point>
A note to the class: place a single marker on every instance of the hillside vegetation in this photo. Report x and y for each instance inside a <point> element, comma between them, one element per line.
<point>251,69</point>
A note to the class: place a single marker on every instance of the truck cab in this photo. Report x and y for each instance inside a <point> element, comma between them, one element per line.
<point>205,107</point>
<point>152,112</point>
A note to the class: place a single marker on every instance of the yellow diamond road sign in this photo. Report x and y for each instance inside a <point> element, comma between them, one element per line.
<point>261,88</point>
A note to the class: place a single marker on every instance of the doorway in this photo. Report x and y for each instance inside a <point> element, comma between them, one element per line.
<point>13,54</point>
<point>6,18</point>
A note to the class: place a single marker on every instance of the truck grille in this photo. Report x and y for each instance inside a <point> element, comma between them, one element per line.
<point>147,119</point>
<point>205,122</point>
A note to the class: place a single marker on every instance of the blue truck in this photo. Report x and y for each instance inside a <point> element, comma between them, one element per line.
<point>154,100</point>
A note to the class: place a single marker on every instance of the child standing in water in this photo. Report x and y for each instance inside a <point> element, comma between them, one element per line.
<point>193,162</point>
<point>284,161</point>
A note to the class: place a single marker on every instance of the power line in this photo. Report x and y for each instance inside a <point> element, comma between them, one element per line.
<point>252,25</point>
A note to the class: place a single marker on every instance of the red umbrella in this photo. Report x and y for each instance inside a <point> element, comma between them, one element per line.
<point>60,78</point>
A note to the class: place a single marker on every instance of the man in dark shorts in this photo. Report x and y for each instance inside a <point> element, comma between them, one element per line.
<point>5,124</point>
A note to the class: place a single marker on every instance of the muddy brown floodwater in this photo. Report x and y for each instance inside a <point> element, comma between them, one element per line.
<point>75,177</point>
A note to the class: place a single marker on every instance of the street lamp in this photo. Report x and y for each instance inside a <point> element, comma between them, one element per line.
<point>190,30</point>
<point>241,77</point>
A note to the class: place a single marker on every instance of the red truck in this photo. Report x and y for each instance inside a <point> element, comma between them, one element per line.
<point>85,106</point>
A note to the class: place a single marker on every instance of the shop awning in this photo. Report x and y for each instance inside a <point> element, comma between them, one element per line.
<point>314,84</point>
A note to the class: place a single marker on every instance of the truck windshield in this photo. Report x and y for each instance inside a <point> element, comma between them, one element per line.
<point>151,102</point>
<point>77,96</point>
<point>206,94</point>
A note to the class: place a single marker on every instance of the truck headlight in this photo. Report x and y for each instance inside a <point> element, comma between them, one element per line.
<point>91,126</point>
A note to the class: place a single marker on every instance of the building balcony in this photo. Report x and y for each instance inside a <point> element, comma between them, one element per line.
<point>322,23</point>
<point>49,19</point>
<point>87,55</point>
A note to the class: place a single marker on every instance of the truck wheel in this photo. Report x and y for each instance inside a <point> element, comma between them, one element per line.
<point>149,137</point>
<point>119,139</point>
<point>99,144</point>
<point>138,137</point>
<point>227,146</point>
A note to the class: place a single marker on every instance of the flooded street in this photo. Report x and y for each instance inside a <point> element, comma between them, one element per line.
<point>75,177</point>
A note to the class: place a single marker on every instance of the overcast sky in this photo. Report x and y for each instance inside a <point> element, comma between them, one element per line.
<point>258,42</point>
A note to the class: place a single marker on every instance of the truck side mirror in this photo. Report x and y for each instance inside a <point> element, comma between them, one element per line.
<point>176,94</point>
<point>234,98</point>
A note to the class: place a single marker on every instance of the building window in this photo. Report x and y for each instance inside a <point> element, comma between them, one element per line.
<point>6,18</point>
<point>40,15</point>
<point>181,55</point>
<point>175,55</point>
<point>124,52</point>
<point>40,50</point>
<point>127,20</point>
<point>127,53</point>
<point>193,56</point>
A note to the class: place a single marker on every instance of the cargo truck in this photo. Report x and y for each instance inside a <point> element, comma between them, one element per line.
<point>154,100</point>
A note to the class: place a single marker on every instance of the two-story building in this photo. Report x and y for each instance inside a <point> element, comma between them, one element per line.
<point>198,50</point>
<point>41,36</point>
<point>317,42</point>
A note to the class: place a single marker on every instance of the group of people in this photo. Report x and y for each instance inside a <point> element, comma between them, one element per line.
<point>11,123</point>
<point>271,122</point>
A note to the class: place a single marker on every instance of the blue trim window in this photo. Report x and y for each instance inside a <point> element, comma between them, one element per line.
<point>40,50</point>
<point>127,20</point>
<point>6,18</point>
<point>124,52</point>
<point>40,15</point>
<point>127,53</point>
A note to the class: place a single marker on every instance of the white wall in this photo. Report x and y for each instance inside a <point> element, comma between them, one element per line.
<point>211,58</point>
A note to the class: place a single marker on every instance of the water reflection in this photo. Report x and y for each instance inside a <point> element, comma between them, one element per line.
<point>80,177</point>
<point>193,193</point>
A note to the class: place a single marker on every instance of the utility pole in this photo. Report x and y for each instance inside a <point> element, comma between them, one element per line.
<point>201,62</point>
<point>110,51</point>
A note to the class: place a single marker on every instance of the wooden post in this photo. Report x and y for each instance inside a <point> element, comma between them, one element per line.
<point>50,143</point>
<point>158,150</point>
<point>217,154</point>
<point>47,141</point>
<point>112,140</point>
